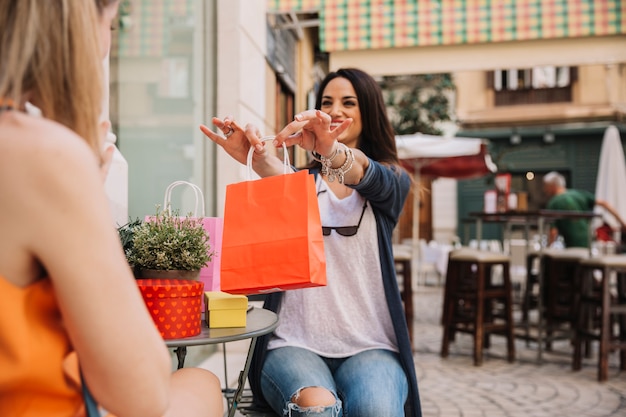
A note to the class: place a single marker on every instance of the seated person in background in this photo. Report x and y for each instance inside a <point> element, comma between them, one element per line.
<point>575,232</point>
<point>67,294</point>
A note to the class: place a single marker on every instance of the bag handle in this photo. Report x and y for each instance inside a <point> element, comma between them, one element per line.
<point>196,190</point>
<point>286,165</point>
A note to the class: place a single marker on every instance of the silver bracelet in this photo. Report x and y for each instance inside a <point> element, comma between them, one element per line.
<point>327,160</point>
<point>341,172</point>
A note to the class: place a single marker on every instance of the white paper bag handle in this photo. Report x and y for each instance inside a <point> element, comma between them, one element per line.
<point>196,190</point>
<point>286,165</point>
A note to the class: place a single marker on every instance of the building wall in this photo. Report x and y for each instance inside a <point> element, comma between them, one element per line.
<point>578,128</point>
<point>477,115</point>
<point>598,93</point>
<point>485,56</point>
<point>242,78</point>
<point>445,211</point>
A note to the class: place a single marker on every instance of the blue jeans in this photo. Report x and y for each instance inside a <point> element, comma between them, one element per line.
<point>369,384</point>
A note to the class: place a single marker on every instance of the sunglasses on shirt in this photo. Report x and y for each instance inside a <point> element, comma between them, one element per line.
<point>344,230</point>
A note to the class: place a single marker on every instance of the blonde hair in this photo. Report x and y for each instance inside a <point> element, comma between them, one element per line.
<point>50,55</point>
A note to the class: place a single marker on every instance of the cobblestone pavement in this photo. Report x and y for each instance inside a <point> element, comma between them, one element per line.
<point>454,387</point>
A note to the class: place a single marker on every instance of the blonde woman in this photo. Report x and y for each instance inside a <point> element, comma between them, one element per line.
<point>67,295</point>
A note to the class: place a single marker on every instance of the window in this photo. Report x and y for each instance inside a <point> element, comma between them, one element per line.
<point>158,98</point>
<point>537,85</point>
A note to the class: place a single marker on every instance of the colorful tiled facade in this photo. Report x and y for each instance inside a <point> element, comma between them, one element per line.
<point>375,24</point>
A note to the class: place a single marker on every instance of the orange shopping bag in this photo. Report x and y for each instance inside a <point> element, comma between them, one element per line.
<point>272,238</point>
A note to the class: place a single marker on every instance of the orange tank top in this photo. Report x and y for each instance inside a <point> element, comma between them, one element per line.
<point>38,369</point>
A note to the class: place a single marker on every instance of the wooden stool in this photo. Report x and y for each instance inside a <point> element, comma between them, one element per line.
<point>529,300</point>
<point>402,256</point>
<point>560,287</point>
<point>403,267</point>
<point>475,304</point>
<point>601,311</point>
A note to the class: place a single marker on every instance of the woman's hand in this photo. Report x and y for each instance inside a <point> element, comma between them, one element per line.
<point>237,141</point>
<point>311,131</point>
<point>106,157</point>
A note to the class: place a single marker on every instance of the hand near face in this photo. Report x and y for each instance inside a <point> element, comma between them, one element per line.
<point>106,158</point>
<point>311,130</point>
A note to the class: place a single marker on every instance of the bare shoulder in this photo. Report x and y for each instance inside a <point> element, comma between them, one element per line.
<point>19,131</point>
<point>38,144</point>
<point>42,161</point>
<point>44,168</point>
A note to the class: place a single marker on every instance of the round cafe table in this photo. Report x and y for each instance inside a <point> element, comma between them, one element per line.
<point>259,322</point>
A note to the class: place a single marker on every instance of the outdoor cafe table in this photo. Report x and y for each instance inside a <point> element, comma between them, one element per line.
<point>527,218</point>
<point>259,322</point>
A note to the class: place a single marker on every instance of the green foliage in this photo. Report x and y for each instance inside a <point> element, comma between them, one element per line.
<point>169,242</point>
<point>124,13</point>
<point>126,233</point>
<point>416,103</point>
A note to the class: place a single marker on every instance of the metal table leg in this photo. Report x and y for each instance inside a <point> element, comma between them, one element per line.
<point>181,352</point>
<point>241,382</point>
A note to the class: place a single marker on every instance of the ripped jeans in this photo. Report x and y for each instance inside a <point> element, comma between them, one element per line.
<point>369,384</point>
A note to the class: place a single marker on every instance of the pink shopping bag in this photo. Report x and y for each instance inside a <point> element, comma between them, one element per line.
<point>210,274</point>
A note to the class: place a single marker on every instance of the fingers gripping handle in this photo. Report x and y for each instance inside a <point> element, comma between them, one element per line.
<point>286,165</point>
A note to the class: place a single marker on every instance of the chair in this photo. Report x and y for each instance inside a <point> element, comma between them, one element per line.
<point>475,302</point>
<point>560,286</point>
<point>601,313</point>
<point>529,299</point>
<point>427,265</point>
<point>402,256</point>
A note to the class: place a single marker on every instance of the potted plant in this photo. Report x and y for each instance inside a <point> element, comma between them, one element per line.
<point>166,243</point>
<point>126,233</point>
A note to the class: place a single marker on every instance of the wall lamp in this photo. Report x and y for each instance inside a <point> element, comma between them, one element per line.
<point>548,136</point>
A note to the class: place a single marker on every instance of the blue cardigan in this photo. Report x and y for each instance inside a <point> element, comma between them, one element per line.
<point>386,189</point>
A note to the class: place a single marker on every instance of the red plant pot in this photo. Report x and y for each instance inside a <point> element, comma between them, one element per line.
<point>175,305</point>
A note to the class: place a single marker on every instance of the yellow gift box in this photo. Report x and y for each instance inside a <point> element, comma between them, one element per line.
<point>225,310</point>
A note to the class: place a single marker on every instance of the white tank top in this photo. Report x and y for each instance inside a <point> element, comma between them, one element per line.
<point>350,314</point>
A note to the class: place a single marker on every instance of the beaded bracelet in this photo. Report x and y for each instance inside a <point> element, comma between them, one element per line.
<point>327,168</point>
<point>327,160</point>
<point>341,172</point>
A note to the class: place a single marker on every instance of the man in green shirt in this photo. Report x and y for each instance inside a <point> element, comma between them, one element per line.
<point>575,232</point>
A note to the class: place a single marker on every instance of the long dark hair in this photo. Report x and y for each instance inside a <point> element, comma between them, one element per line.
<point>377,139</point>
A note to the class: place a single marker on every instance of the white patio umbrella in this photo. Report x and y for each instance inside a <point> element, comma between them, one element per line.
<point>438,156</point>
<point>611,179</point>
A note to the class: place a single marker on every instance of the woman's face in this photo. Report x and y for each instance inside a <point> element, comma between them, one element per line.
<point>340,102</point>
<point>106,22</point>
